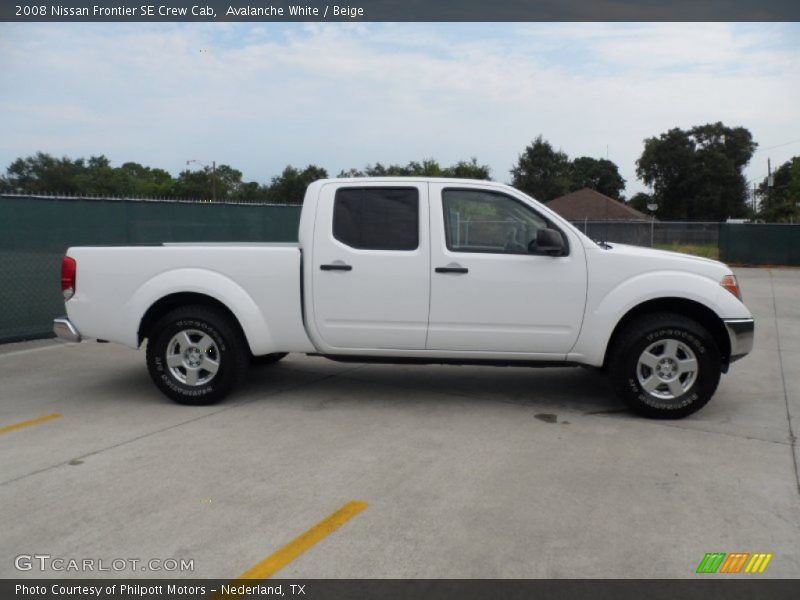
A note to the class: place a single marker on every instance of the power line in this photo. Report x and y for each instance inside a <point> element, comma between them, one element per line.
<point>777,146</point>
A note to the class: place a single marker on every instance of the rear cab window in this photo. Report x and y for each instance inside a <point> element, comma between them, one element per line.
<point>377,218</point>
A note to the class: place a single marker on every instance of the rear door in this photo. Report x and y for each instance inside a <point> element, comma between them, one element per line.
<point>371,267</point>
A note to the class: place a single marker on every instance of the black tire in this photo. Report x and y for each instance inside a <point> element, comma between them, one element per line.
<point>267,359</point>
<point>227,349</point>
<point>678,393</point>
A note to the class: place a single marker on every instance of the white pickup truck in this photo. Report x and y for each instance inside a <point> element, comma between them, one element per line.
<point>416,270</point>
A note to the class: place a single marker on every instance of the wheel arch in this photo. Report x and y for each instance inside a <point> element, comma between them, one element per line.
<point>692,309</point>
<point>172,301</point>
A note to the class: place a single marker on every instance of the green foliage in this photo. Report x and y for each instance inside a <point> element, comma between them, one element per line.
<point>427,168</point>
<point>639,201</point>
<point>208,183</point>
<point>468,170</point>
<point>545,173</point>
<point>290,186</point>
<point>542,172</point>
<point>144,182</point>
<point>44,174</point>
<point>779,203</point>
<point>601,175</point>
<point>696,175</point>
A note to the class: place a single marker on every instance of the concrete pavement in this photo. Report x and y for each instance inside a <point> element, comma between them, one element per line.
<point>467,471</point>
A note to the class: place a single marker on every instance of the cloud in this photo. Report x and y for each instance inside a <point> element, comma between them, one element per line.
<point>342,95</point>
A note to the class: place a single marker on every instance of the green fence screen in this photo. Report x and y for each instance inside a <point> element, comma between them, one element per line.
<point>760,244</point>
<point>35,232</point>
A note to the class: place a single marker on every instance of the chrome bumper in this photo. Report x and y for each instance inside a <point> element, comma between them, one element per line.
<point>65,330</point>
<point>740,332</point>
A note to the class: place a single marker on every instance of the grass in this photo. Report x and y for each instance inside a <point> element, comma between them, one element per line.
<point>706,251</point>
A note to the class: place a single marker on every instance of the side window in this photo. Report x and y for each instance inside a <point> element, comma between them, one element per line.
<point>479,221</point>
<point>371,218</point>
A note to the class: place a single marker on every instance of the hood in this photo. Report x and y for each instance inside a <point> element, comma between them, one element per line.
<point>665,259</point>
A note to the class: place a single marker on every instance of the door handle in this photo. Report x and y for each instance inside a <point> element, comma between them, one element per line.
<point>460,270</point>
<point>336,267</point>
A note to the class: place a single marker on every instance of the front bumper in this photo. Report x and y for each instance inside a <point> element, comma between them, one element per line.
<point>740,333</point>
<point>65,330</point>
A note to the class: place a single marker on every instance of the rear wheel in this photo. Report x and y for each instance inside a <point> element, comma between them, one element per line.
<point>665,366</point>
<point>196,355</point>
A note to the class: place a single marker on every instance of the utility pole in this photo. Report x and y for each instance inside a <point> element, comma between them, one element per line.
<point>769,182</point>
<point>214,179</point>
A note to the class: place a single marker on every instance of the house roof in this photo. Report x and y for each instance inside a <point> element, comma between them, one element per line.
<point>594,206</point>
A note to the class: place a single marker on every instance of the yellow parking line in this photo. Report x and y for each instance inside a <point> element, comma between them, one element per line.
<point>275,562</point>
<point>30,423</point>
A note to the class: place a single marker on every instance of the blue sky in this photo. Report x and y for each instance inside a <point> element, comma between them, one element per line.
<point>261,96</point>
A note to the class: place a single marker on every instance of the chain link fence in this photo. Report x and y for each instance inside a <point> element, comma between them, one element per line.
<point>652,233</point>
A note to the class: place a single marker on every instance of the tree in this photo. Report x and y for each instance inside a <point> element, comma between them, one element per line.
<point>546,173</point>
<point>290,186</point>
<point>542,172</point>
<point>250,190</point>
<point>468,170</point>
<point>779,202</point>
<point>794,186</point>
<point>228,181</point>
<point>99,178</point>
<point>224,183</point>
<point>44,174</point>
<point>640,200</point>
<point>194,184</point>
<point>697,174</point>
<point>601,175</point>
<point>144,182</point>
<point>426,168</point>
<point>350,173</point>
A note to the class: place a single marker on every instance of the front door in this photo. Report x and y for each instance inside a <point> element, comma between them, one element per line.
<point>490,291</point>
<point>371,266</point>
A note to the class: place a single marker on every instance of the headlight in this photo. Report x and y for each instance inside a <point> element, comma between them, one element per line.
<point>729,283</point>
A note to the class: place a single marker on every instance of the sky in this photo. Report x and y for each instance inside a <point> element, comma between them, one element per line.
<point>261,96</point>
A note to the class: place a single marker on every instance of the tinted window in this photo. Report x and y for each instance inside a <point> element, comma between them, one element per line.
<point>377,218</point>
<point>479,221</point>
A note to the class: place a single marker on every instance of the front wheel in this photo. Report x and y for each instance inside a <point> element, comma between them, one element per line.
<point>196,355</point>
<point>665,366</point>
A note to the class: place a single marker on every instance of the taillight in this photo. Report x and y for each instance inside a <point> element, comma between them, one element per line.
<point>68,271</point>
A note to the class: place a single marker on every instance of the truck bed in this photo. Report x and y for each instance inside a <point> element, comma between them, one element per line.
<point>258,282</point>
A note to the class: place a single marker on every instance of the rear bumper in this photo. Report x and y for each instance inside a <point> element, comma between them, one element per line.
<point>65,330</point>
<point>740,333</point>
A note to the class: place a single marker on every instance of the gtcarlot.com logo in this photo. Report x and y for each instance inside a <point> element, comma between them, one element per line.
<point>735,562</point>
<point>46,562</point>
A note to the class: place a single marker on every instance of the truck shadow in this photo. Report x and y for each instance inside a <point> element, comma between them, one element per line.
<point>574,389</point>
<point>319,384</point>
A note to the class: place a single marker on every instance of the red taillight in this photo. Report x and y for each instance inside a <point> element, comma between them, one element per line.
<point>68,271</point>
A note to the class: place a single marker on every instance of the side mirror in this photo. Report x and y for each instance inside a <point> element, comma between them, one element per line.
<point>549,242</point>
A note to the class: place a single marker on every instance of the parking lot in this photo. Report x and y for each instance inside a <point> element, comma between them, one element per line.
<point>473,472</point>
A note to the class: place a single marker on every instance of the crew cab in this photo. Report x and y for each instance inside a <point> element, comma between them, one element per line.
<point>419,270</point>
